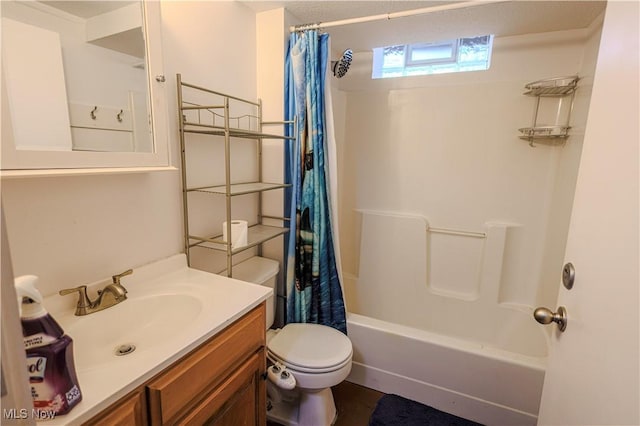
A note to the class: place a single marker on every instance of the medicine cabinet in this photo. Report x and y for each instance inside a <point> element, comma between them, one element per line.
<point>83,89</point>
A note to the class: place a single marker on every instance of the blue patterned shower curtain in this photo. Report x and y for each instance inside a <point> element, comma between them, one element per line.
<point>314,292</point>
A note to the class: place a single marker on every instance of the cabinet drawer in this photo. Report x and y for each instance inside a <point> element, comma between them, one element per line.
<point>179,389</point>
<point>129,411</point>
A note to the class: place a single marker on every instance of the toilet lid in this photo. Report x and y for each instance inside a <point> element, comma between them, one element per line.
<point>311,346</point>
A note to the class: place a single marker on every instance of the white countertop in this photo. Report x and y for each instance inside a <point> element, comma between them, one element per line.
<point>222,301</point>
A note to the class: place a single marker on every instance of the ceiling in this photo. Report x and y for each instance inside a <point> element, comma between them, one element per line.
<point>87,9</point>
<point>498,18</point>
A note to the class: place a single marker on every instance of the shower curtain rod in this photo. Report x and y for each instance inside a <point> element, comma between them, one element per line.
<point>393,15</point>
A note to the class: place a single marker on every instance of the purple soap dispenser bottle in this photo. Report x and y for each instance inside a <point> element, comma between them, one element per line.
<point>52,374</point>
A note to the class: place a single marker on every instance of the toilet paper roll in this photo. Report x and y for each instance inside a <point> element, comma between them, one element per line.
<point>238,233</point>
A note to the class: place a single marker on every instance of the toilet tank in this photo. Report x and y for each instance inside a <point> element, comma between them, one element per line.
<point>263,271</point>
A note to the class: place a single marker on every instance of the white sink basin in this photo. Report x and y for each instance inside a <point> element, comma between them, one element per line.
<point>171,309</point>
<point>144,322</point>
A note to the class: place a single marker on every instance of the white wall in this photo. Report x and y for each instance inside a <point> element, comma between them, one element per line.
<point>75,230</point>
<point>213,45</point>
<point>446,147</point>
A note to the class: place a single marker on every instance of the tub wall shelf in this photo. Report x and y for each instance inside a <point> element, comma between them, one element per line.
<point>553,105</point>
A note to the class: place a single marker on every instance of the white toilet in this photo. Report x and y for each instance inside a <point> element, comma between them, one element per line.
<point>309,358</point>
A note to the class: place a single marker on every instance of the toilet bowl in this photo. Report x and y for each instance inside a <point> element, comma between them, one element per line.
<point>315,357</point>
<point>318,357</point>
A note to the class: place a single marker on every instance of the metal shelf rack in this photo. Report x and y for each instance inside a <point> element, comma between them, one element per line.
<point>557,87</point>
<point>208,112</point>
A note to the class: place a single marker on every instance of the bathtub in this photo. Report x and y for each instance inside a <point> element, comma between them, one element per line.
<point>429,320</point>
<point>466,378</point>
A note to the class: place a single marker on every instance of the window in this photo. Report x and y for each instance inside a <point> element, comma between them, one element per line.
<point>431,53</point>
<point>463,54</point>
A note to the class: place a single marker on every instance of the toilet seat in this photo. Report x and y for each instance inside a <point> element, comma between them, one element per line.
<point>311,348</point>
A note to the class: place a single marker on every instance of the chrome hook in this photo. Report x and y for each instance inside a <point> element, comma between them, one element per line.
<point>119,116</point>
<point>93,113</point>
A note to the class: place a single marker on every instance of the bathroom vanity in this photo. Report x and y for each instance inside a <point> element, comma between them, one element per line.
<point>199,350</point>
<point>218,383</point>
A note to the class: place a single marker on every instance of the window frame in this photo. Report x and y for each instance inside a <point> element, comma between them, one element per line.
<point>406,67</point>
<point>452,59</point>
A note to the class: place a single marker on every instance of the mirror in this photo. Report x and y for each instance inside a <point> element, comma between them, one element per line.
<point>77,85</point>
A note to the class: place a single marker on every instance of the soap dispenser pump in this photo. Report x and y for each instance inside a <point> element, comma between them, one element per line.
<point>52,376</point>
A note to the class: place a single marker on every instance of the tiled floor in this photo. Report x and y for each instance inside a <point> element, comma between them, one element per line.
<point>354,403</point>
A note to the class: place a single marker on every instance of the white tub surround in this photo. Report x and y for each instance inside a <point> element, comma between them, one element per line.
<point>448,281</point>
<point>431,322</point>
<point>211,303</point>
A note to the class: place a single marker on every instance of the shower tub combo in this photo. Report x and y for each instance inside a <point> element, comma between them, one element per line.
<point>430,325</point>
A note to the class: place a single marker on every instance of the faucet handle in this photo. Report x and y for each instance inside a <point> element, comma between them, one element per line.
<point>83,299</point>
<point>116,278</point>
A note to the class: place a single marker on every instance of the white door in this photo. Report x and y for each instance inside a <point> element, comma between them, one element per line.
<point>593,374</point>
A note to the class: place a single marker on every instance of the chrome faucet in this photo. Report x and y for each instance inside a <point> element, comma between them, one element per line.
<point>110,295</point>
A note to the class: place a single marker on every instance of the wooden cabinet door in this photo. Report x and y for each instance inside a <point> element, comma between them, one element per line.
<point>201,373</point>
<point>130,411</point>
<point>238,401</point>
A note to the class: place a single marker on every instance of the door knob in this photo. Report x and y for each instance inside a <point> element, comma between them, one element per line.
<point>545,316</point>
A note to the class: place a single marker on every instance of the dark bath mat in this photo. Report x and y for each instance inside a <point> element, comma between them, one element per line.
<point>394,410</point>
